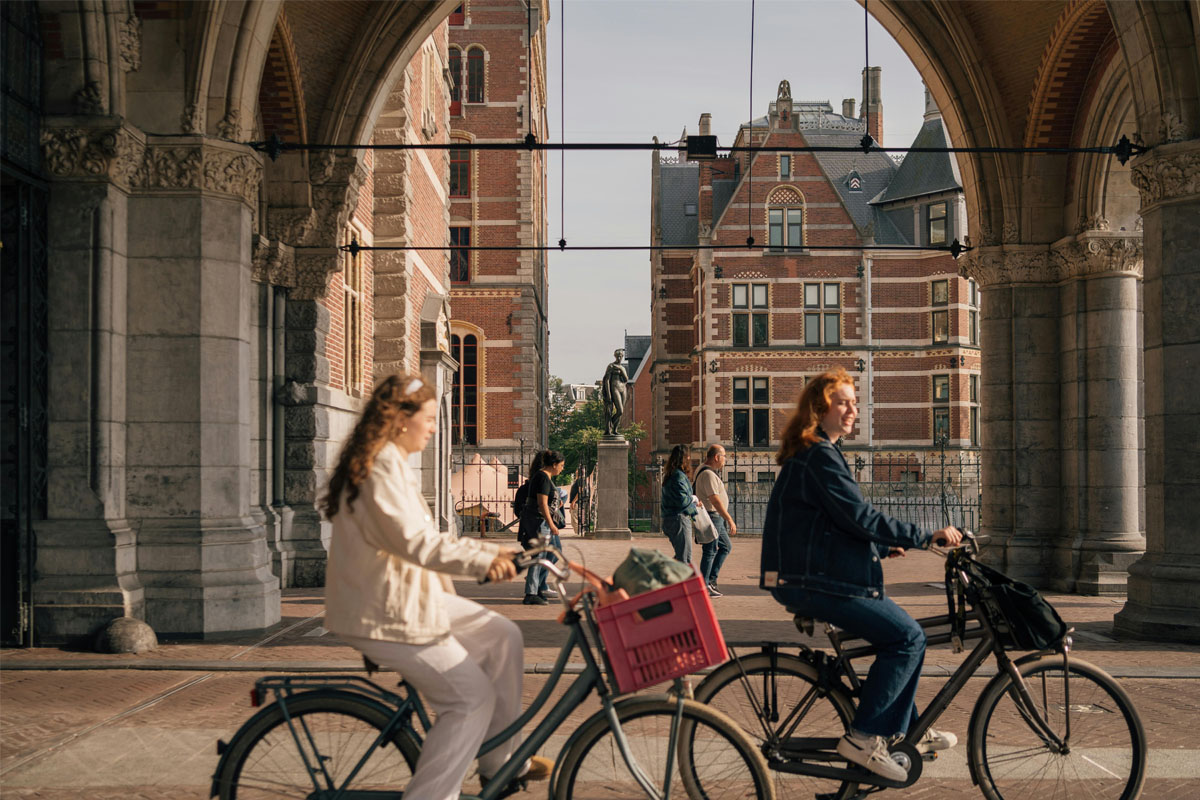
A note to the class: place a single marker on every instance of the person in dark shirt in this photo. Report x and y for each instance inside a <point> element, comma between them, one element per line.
<point>677,503</point>
<point>541,518</point>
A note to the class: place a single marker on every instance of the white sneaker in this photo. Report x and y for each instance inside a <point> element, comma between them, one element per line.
<point>935,740</point>
<point>871,753</point>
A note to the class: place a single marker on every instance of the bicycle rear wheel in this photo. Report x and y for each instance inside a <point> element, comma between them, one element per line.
<point>330,732</point>
<point>712,758</point>
<point>778,689</point>
<point>1106,753</point>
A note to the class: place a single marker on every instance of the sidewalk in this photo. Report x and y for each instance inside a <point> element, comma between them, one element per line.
<point>78,724</point>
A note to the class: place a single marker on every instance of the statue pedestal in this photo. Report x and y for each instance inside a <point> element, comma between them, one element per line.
<point>612,489</point>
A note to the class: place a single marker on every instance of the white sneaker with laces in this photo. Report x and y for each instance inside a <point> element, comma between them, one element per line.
<point>870,753</point>
<point>935,740</point>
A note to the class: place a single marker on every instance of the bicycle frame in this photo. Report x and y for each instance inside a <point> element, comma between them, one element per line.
<point>404,707</point>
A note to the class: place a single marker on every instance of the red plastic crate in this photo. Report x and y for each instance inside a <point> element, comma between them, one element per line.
<point>660,635</point>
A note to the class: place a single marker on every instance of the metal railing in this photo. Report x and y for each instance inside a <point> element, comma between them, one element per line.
<point>930,488</point>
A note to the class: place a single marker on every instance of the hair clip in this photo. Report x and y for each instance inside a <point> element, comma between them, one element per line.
<point>413,385</point>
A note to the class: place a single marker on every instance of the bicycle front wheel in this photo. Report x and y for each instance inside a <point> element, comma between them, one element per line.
<point>712,759</point>
<point>1105,753</point>
<point>328,736</point>
<point>763,704</point>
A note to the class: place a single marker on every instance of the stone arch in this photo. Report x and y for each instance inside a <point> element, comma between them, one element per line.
<point>281,104</point>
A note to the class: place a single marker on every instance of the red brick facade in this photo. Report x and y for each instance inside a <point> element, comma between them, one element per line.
<point>802,311</point>
<point>498,198</point>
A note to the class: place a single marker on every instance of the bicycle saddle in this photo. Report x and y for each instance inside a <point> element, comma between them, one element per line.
<point>803,623</point>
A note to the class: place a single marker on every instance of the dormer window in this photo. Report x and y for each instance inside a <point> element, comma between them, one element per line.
<point>854,181</point>
<point>689,209</point>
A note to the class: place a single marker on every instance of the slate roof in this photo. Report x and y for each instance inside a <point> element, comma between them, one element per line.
<point>679,186</point>
<point>722,193</point>
<point>636,348</point>
<point>877,170</point>
<point>923,173</point>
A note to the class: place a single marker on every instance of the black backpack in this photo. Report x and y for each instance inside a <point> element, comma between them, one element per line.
<point>519,499</point>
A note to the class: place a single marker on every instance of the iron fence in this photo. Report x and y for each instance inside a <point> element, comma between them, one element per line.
<point>930,488</point>
<point>484,483</point>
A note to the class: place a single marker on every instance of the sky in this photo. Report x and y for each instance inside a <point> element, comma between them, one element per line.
<point>628,70</point>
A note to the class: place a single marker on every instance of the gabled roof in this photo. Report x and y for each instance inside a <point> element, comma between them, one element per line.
<point>679,187</point>
<point>923,173</point>
<point>636,348</point>
<point>875,169</point>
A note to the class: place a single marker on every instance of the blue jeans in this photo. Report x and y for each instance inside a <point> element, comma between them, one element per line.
<point>535,576</point>
<point>714,553</point>
<point>887,704</point>
<point>678,528</point>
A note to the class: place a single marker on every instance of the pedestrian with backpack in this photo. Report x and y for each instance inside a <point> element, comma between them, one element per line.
<point>541,519</point>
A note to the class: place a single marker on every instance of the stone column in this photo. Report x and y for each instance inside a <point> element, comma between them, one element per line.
<point>1163,601</point>
<point>437,370</point>
<point>612,488</point>
<point>86,548</point>
<point>1101,532</point>
<point>1019,405</point>
<point>201,556</point>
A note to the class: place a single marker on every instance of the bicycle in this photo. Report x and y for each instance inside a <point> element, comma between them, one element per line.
<point>345,737</point>
<point>1046,726</point>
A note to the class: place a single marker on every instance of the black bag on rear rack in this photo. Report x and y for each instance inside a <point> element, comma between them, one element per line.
<point>1023,619</point>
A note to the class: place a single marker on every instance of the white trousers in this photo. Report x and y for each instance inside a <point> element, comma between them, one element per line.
<point>472,681</point>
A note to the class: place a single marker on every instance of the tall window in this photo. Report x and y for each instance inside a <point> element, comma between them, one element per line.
<point>455,82</point>
<point>460,172</point>
<point>352,324</point>
<point>940,291</point>
<point>475,75</point>
<point>460,256</point>
<point>941,388</point>
<point>751,411</point>
<point>822,314</point>
<point>974,394</point>
<point>785,228</point>
<point>937,223</point>
<point>973,312</point>
<point>785,166</point>
<point>465,391</point>
<point>941,426</point>
<point>751,319</point>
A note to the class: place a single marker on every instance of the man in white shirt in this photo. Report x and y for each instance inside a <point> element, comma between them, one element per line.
<point>711,490</point>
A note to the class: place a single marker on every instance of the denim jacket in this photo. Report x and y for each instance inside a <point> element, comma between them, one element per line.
<point>820,533</point>
<point>677,495</point>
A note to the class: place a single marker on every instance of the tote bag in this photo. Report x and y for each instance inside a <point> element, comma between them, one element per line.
<point>703,529</point>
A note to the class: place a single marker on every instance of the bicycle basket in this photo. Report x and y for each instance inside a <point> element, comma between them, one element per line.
<point>661,634</point>
<point>1023,619</point>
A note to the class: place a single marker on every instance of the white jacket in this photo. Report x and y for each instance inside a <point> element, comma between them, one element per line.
<point>382,579</point>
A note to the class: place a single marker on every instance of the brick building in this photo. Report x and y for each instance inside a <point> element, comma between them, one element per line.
<point>736,332</point>
<point>499,332</point>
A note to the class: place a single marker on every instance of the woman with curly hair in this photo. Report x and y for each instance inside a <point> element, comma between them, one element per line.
<point>821,551</point>
<point>388,592</point>
<point>677,503</point>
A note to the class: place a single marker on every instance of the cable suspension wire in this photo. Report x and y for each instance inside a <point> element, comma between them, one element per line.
<point>866,140</point>
<point>562,123</point>
<point>955,248</point>
<point>750,139</point>
<point>1124,149</point>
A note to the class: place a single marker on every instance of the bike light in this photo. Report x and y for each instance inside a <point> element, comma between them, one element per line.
<point>255,700</point>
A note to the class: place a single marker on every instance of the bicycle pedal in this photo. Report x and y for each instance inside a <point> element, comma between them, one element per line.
<point>929,756</point>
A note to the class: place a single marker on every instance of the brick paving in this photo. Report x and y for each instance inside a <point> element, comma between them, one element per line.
<point>83,725</point>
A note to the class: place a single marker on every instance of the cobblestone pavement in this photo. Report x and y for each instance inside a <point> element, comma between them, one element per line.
<point>77,725</point>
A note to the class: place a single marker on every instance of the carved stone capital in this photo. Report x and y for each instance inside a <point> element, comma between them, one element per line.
<point>1094,254</point>
<point>1009,264</point>
<point>312,274</point>
<point>129,42</point>
<point>114,152</point>
<point>1168,173</point>
<point>273,263</point>
<point>90,99</point>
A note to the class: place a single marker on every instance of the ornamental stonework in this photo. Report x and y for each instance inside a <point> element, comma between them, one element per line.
<point>1094,256</point>
<point>999,266</point>
<point>1169,172</point>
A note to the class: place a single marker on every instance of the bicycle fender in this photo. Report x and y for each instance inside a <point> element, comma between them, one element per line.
<point>599,715</point>
<point>270,709</point>
<point>1001,675</point>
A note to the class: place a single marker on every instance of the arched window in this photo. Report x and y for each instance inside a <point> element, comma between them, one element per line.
<point>475,75</point>
<point>785,219</point>
<point>455,82</point>
<point>465,393</point>
<point>460,171</point>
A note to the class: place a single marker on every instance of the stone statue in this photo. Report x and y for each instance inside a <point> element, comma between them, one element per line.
<point>613,392</point>
<point>785,91</point>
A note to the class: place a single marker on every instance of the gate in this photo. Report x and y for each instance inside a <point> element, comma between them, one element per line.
<point>23,318</point>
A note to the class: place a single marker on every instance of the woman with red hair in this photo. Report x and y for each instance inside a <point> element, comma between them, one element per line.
<point>822,548</point>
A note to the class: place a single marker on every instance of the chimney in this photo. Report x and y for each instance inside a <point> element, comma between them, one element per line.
<point>706,124</point>
<point>872,105</point>
<point>848,107</point>
<point>931,109</point>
